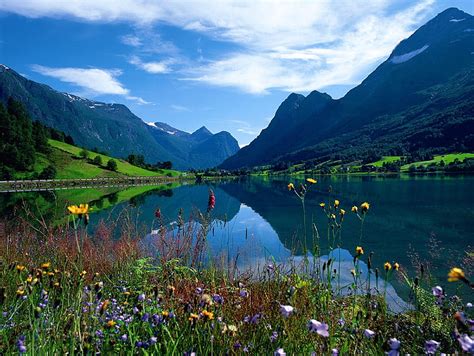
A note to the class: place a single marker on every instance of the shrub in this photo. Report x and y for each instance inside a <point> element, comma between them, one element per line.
<point>112,165</point>
<point>98,160</point>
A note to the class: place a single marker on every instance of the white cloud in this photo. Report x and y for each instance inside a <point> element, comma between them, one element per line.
<point>291,45</point>
<point>94,81</point>
<point>151,67</point>
<point>246,128</point>
<point>180,108</point>
<point>99,81</point>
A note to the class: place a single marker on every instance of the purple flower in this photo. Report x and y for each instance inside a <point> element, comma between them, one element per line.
<point>286,310</point>
<point>334,352</point>
<point>431,346</point>
<point>315,326</point>
<point>124,337</point>
<point>469,305</point>
<point>145,317</point>
<point>274,336</point>
<point>279,352</point>
<point>244,293</point>
<point>438,292</point>
<point>99,333</point>
<point>153,340</point>
<point>135,310</point>
<point>270,268</point>
<point>394,345</point>
<point>467,343</point>
<point>218,299</point>
<point>21,344</point>
<point>369,334</point>
<point>237,345</point>
<point>141,297</point>
<point>199,290</point>
<point>470,322</point>
<point>341,322</point>
<point>255,318</point>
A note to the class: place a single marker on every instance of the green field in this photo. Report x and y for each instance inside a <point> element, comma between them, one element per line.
<point>77,167</point>
<point>447,158</point>
<point>386,159</point>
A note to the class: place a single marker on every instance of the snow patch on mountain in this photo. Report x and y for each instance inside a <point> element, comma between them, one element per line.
<point>456,20</point>
<point>152,124</point>
<point>407,56</point>
<point>4,66</point>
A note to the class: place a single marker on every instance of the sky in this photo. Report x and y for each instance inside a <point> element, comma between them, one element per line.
<point>225,65</point>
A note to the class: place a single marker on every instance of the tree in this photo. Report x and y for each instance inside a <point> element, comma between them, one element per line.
<point>112,165</point>
<point>98,160</point>
<point>68,139</point>
<point>84,153</point>
<point>48,173</point>
<point>40,137</point>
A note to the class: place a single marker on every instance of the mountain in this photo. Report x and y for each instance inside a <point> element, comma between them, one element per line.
<point>420,99</point>
<point>200,149</point>
<point>112,128</point>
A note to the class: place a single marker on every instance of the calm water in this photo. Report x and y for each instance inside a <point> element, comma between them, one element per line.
<point>265,220</point>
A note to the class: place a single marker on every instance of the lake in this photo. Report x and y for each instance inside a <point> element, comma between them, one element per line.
<point>411,218</point>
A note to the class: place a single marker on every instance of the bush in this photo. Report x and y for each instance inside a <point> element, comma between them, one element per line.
<point>97,160</point>
<point>48,173</point>
<point>84,153</point>
<point>112,165</point>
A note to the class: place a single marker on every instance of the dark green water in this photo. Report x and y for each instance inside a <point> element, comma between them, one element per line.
<point>431,216</point>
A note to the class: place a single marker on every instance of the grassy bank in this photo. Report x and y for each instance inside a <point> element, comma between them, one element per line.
<point>64,290</point>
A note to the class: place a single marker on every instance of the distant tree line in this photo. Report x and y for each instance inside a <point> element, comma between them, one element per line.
<point>139,161</point>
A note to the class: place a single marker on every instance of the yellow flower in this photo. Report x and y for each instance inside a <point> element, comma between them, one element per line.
<point>165,313</point>
<point>20,268</point>
<point>364,207</point>
<point>208,315</point>
<point>46,265</point>
<point>29,279</point>
<point>342,212</point>
<point>193,317</point>
<point>353,272</point>
<point>387,266</point>
<point>311,180</point>
<point>291,186</point>
<point>111,323</point>
<point>359,250</point>
<point>20,292</point>
<point>354,209</point>
<point>56,284</point>
<point>78,210</point>
<point>322,205</point>
<point>396,266</point>
<point>126,293</point>
<point>83,273</point>
<point>456,274</point>
<point>336,203</point>
<point>333,216</point>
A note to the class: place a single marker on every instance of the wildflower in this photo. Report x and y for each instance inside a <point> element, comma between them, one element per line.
<point>396,266</point>
<point>387,266</point>
<point>153,340</point>
<point>20,292</point>
<point>311,180</point>
<point>171,289</point>
<point>274,336</point>
<point>193,317</point>
<point>334,352</point>
<point>83,274</point>
<point>359,250</point>
<point>104,306</point>
<point>437,291</point>
<point>456,274</point>
<point>206,299</point>
<point>354,209</point>
<point>124,337</point>
<point>21,344</point>
<point>333,216</point>
<point>212,201</point>
<point>199,290</point>
<point>286,310</point>
<point>111,324</point>
<point>369,334</point>
<point>469,305</point>
<point>279,352</point>
<point>165,313</point>
<point>141,297</point>
<point>158,213</point>
<point>208,315</point>
<point>467,343</point>
<point>78,210</point>
<point>364,207</point>
<point>322,205</point>
<point>315,326</point>
<point>232,329</point>
<point>270,268</point>
<point>336,203</point>
<point>291,186</point>
<point>353,272</point>
<point>218,299</point>
<point>394,345</point>
<point>431,346</point>
<point>244,293</point>
<point>342,212</point>
<point>20,268</point>
<point>46,265</point>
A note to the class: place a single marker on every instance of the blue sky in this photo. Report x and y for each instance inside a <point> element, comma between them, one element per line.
<point>226,65</point>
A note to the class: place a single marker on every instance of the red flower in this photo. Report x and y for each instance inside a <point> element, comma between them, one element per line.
<point>158,213</point>
<point>212,201</point>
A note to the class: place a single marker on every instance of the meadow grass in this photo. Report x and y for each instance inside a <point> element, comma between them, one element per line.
<point>123,167</point>
<point>64,290</point>
<point>447,158</point>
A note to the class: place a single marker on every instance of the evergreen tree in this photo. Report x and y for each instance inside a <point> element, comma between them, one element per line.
<point>40,137</point>
<point>112,165</point>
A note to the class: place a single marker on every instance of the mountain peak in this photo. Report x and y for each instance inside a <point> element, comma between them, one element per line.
<point>202,131</point>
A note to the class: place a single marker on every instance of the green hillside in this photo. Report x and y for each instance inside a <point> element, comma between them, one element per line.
<point>69,164</point>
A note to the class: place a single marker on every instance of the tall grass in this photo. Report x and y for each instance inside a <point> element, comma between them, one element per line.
<point>112,295</point>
